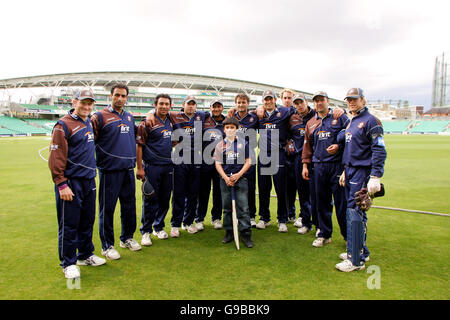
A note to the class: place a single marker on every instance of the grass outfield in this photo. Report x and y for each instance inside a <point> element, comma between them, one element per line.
<point>411,250</point>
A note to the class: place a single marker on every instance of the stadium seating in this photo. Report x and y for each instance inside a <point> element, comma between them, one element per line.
<point>430,126</point>
<point>395,126</point>
<point>20,127</point>
<point>42,123</point>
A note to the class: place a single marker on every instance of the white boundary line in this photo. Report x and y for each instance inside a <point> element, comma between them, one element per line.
<point>40,155</point>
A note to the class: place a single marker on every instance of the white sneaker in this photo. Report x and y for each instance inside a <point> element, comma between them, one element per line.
<point>347,266</point>
<point>317,232</point>
<point>131,244</point>
<point>298,223</point>
<point>320,242</point>
<point>282,227</point>
<point>262,224</point>
<point>174,232</point>
<point>191,229</point>
<point>303,230</point>
<point>93,260</point>
<point>146,241</point>
<point>289,220</point>
<point>344,256</point>
<point>199,226</point>
<point>71,272</point>
<point>217,224</point>
<point>111,253</point>
<point>161,234</point>
<point>252,223</point>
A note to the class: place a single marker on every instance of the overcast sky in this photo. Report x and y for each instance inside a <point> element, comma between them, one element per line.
<point>388,48</point>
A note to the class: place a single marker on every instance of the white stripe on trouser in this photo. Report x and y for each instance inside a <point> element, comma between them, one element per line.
<point>104,181</point>
<point>62,239</point>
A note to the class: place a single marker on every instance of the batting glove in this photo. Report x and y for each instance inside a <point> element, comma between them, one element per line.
<point>373,185</point>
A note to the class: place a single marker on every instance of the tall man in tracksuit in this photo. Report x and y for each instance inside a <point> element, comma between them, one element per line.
<point>187,158</point>
<point>321,148</point>
<point>297,124</point>
<point>154,162</point>
<point>212,134</point>
<point>248,126</point>
<point>115,139</point>
<point>291,186</point>
<point>274,131</point>
<point>364,158</point>
<point>72,164</point>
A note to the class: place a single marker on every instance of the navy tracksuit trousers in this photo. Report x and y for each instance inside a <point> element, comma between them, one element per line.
<point>291,186</point>
<point>265,186</point>
<point>209,173</point>
<point>116,185</point>
<point>355,179</point>
<point>250,175</point>
<point>303,188</point>
<point>76,221</point>
<point>326,180</point>
<point>185,193</point>
<point>154,210</point>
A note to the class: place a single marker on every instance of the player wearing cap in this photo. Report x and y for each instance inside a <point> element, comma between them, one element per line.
<point>286,96</point>
<point>364,158</point>
<point>212,134</point>
<point>72,165</point>
<point>322,150</point>
<point>154,162</point>
<point>274,131</point>
<point>248,126</point>
<point>187,124</point>
<point>115,139</point>
<point>232,157</point>
<point>297,123</point>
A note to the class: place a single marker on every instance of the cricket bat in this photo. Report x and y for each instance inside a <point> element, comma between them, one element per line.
<point>234,218</point>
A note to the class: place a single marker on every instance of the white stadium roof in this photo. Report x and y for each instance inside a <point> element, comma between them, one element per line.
<point>146,80</point>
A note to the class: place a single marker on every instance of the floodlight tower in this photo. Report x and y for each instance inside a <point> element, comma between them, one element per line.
<point>439,94</point>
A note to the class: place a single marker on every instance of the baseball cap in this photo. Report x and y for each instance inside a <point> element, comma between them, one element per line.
<point>320,94</point>
<point>189,99</point>
<point>299,96</point>
<point>354,93</point>
<point>216,101</point>
<point>231,120</point>
<point>85,94</point>
<point>268,93</point>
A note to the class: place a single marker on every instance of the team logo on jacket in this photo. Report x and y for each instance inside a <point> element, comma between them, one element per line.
<point>197,118</point>
<point>301,131</point>
<point>242,129</point>
<point>279,115</point>
<point>166,134</point>
<point>323,135</point>
<point>189,130</point>
<point>348,137</point>
<point>90,136</point>
<point>230,155</point>
<point>251,120</point>
<point>334,122</point>
<point>53,147</point>
<point>124,128</point>
<point>215,135</point>
<point>129,118</point>
<point>361,125</point>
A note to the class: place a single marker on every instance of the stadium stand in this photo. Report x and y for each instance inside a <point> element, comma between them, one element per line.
<point>18,126</point>
<point>42,123</point>
<point>430,126</point>
<point>395,126</point>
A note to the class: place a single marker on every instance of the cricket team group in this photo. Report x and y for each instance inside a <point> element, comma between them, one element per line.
<point>326,155</point>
